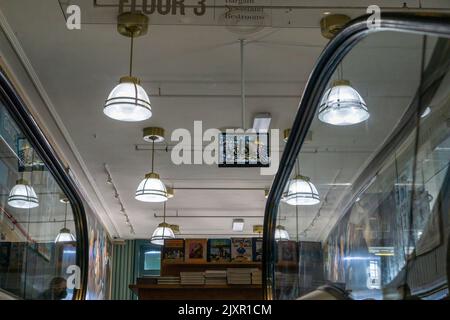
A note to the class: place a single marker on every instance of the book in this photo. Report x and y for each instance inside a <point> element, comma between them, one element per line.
<point>195,250</point>
<point>287,252</point>
<point>239,275</point>
<point>192,277</point>
<point>216,277</point>
<point>219,250</point>
<point>241,249</point>
<point>257,247</point>
<point>173,250</point>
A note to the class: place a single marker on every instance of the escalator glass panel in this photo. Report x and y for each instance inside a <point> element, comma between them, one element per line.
<point>365,212</point>
<point>38,239</point>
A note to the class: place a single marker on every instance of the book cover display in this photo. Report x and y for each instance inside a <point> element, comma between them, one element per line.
<point>173,250</point>
<point>241,249</point>
<point>257,249</point>
<point>219,250</point>
<point>195,250</point>
<point>287,252</point>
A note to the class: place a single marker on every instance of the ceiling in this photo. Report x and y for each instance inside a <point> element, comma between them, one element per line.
<point>192,72</point>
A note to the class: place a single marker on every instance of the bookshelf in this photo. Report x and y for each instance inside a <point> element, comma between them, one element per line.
<point>185,273</point>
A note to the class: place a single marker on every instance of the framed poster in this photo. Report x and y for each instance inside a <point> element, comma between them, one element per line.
<point>196,250</point>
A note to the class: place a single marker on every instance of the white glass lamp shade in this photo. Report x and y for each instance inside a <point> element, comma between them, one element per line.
<point>281,234</point>
<point>301,192</point>
<point>128,101</point>
<point>342,105</point>
<point>65,236</point>
<point>23,196</point>
<point>151,189</point>
<point>161,233</point>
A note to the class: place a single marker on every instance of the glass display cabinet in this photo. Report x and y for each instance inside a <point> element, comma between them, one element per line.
<point>364,200</point>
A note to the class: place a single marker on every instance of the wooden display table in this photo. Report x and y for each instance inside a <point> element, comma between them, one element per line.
<point>150,291</point>
<point>197,292</point>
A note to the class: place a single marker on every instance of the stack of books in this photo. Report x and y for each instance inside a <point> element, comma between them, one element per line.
<point>168,280</point>
<point>192,278</point>
<point>239,275</point>
<point>217,277</point>
<point>256,276</point>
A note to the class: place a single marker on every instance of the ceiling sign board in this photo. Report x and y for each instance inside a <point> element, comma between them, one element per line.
<point>244,150</point>
<point>240,16</point>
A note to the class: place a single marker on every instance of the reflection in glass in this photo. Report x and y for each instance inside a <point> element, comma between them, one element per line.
<point>32,265</point>
<point>342,105</point>
<point>23,196</point>
<point>380,229</point>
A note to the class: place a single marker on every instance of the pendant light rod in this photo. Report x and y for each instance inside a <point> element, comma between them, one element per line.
<point>164,219</point>
<point>242,82</point>
<point>131,55</point>
<point>153,154</point>
<point>65,217</point>
<point>341,71</point>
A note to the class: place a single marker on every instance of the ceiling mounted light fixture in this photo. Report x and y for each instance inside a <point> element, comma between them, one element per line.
<point>342,105</point>
<point>128,101</point>
<point>301,192</point>
<point>64,234</point>
<point>238,225</point>
<point>332,24</point>
<point>286,134</point>
<point>170,192</point>
<point>281,233</point>
<point>259,229</point>
<point>261,122</point>
<point>151,188</point>
<point>175,228</point>
<point>23,196</point>
<point>162,232</point>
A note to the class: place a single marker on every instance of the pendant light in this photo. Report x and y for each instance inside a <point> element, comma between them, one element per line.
<point>342,105</point>
<point>128,101</point>
<point>301,191</point>
<point>151,188</point>
<point>23,196</point>
<point>162,232</point>
<point>281,233</point>
<point>64,234</point>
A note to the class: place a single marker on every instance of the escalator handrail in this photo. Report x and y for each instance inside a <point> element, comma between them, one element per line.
<point>27,124</point>
<point>331,56</point>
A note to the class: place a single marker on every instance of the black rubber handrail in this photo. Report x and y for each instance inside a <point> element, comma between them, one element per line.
<point>25,121</point>
<point>332,55</point>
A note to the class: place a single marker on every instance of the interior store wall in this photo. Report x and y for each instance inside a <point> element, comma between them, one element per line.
<point>124,267</point>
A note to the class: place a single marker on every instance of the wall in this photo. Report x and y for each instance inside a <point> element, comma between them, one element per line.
<point>124,267</point>
<point>100,260</point>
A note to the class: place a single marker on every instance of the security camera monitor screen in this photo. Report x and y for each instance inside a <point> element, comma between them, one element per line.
<point>244,150</point>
